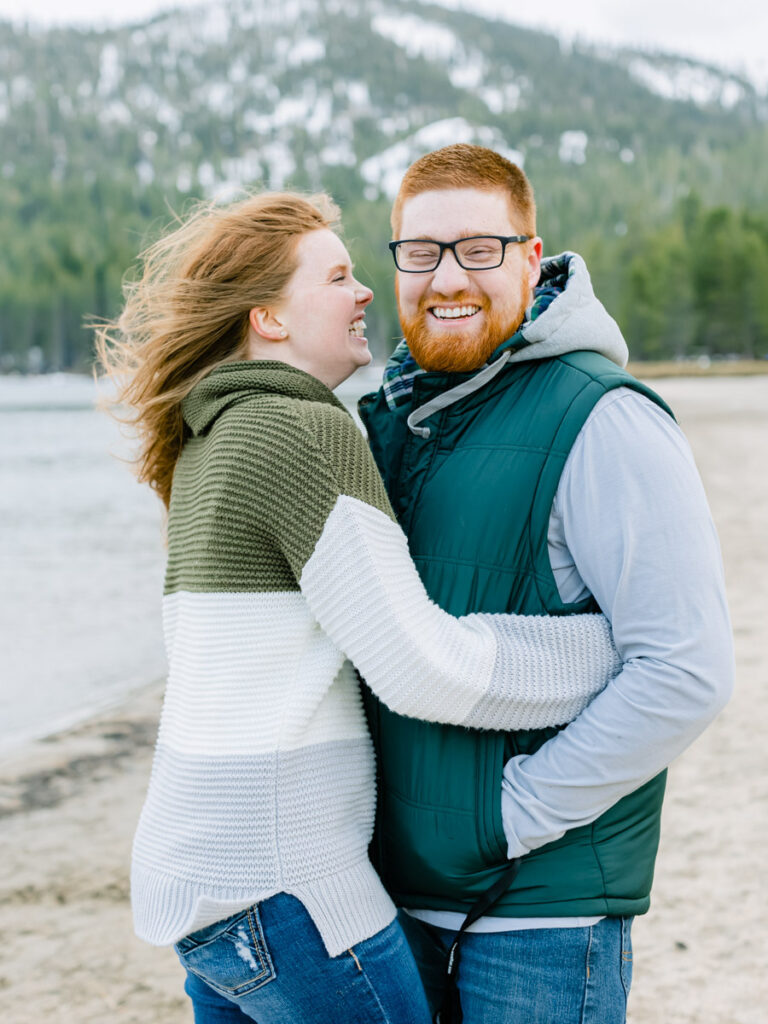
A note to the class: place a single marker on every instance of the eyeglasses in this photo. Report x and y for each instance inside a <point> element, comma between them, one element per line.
<point>478,252</point>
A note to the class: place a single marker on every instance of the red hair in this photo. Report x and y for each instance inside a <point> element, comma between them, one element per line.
<point>188,312</point>
<point>465,166</point>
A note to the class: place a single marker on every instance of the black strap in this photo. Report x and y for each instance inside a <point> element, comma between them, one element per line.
<point>450,1011</point>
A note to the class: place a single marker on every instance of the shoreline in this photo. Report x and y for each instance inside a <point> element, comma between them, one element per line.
<point>45,771</point>
<point>15,748</point>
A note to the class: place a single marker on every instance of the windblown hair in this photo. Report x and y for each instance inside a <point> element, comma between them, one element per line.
<point>465,166</point>
<point>187,313</point>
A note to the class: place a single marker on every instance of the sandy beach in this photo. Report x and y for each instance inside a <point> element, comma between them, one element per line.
<point>69,805</point>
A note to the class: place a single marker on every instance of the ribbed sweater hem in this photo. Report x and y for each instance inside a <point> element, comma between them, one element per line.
<point>346,907</point>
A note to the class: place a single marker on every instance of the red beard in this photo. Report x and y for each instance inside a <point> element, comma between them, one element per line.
<point>452,352</point>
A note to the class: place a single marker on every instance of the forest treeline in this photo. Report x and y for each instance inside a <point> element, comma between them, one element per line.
<point>694,285</point>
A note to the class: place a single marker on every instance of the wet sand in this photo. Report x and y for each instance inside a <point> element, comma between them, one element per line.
<point>69,804</point>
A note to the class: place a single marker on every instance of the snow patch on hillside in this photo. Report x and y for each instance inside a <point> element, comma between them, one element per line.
<point>573,147</point>
<point>110,72</point>
<point>305,51</point>
<point>418,37</point>
<point>115,112</point>
<point>687,82</point>
<point>218,97</point>
<point>501,98</point>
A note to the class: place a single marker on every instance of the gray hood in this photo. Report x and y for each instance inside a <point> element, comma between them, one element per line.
<point>574,319</point>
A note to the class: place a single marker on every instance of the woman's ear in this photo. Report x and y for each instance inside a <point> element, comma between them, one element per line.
<point>266,324</point>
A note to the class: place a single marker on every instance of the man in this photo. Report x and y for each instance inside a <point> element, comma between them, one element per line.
<point>532,474</point>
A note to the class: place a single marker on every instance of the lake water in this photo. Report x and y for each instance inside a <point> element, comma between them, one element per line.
<point>81,557</point>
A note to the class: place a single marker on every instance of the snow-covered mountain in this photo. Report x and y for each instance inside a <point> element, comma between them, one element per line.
<point>103,134</point>
<point>238,91</point>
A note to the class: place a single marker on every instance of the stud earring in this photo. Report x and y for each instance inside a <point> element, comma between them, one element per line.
<point>283,334</point>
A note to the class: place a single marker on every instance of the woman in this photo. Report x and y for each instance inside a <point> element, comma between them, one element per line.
<point>284,561</point>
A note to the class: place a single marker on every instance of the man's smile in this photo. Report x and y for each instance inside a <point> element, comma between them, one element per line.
<point>454,314</point>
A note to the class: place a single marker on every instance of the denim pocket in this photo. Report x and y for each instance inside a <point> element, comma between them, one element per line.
<point>232,957</point>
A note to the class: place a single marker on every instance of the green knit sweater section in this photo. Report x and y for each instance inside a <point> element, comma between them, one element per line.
<point>270,450</point>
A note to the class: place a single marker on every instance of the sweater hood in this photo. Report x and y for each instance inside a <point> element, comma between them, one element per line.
<point>234,383</point>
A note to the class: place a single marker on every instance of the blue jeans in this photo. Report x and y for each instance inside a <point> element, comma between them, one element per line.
<point>536,976</point>
<point>269,964</point>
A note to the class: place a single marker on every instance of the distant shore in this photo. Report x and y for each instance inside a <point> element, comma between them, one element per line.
<point>702,367</point>
<point>69,804</point>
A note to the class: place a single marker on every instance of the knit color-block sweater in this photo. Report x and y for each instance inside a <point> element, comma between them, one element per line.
<point>285,561</point>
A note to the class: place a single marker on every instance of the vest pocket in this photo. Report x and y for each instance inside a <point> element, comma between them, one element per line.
<point>492,756</point>
<point>231,956</point>
<point>493,753</point>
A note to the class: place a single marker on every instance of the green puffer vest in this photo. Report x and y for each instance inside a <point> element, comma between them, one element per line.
<point>474,500</point>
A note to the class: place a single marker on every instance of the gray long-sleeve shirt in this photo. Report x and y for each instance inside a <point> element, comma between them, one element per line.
<point>629,524</point>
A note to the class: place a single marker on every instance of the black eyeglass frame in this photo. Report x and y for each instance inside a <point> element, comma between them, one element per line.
<point>504,239</point>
